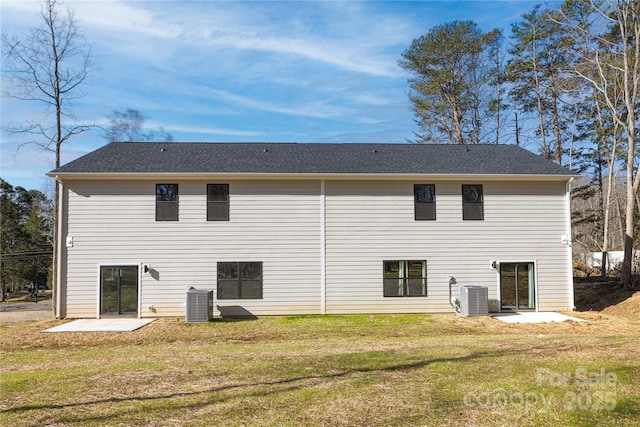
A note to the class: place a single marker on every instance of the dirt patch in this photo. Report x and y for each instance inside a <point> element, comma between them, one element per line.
<point>606,296</point>
<point>607,307</point>
<point>629,308</point>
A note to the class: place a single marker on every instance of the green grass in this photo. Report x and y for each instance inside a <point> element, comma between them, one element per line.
<point>322,370</point>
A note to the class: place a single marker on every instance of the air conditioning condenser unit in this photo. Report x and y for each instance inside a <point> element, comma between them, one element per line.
<point>474,300</point>
<point>199,305</point>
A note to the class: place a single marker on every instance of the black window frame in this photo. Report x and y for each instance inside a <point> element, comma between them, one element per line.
<point>218,207</point>
<point>235,273</point>
<point>424,202</point>
<point>403,285</point>
<point>167,202</point>
<point>472,202</point>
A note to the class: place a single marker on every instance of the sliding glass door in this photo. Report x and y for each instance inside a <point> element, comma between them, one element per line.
<point>119,290</point>
<point>517,285</point>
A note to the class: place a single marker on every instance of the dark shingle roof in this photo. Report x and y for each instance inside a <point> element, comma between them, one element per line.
<point>310,158</point>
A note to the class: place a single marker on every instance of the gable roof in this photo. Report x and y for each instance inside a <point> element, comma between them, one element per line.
<point>154,158</point>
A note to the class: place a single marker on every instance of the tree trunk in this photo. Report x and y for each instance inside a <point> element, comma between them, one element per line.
<point>540,107</point>
<point>556,129</point>
<point>632,190</point>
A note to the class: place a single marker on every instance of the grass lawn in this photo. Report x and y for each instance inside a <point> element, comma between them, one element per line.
<point>373,370</point>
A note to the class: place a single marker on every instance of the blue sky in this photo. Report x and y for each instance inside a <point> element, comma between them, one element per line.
<point>293,71</point>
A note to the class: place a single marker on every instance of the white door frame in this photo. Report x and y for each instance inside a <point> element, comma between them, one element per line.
<point>535,276</point>
<point>119,264</point>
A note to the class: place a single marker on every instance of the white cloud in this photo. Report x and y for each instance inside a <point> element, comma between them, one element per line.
<point>315,109</point>
<point>22,6</point>
<point>347,42</point>
<point>371,99</point>
<point>207,130</point>
<point>320,51</point>
<point>119,16</point>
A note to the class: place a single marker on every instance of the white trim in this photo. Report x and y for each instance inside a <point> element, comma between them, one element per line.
<point>59,249</point>
<point>572,303</point>
<point>119,264</point>
<point>518,261</point>
<point>140,290</point>
<point>323,250</point>
<point>98,277</point>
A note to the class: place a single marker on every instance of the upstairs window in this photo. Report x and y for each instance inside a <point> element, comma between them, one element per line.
<point>239,280</point>
<point>166,202</point>
<point>217,202</point>
<point>405,278</point>
<point>472,202</point>
<point>424,196</point>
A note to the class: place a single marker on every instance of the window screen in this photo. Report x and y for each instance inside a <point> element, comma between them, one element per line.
<point>472,202</point>
<point>166,202</point>
<point>217,202</point>
<point>424,196</point>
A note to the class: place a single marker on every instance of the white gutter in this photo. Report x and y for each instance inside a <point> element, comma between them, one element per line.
<point>323,176</point>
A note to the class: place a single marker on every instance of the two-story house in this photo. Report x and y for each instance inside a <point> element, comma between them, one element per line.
<point>286,228</point>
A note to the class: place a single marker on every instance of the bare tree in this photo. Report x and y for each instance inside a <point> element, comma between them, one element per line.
<point>612,67</point>
<point>586,207</point>
<point>48,66</point>
<point>497,80</point>
<point>129,126</point>
<point>605,132</point>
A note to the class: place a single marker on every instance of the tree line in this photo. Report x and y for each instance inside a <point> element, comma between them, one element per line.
<point>27,238</point>
<point>569,79</point>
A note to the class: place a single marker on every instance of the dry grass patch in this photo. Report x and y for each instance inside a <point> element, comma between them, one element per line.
<point>324,370</point>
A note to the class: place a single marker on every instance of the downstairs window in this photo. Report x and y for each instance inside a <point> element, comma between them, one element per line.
<point>239,280</point>
<point>405,278</point>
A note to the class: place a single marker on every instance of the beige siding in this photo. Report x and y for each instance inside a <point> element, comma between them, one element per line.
<point>369,222</point>
<point>273,222</point>
<point>279,223</point>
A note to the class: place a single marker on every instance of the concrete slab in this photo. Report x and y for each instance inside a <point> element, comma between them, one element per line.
<point>101,325</point>
<point>535,317</point>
